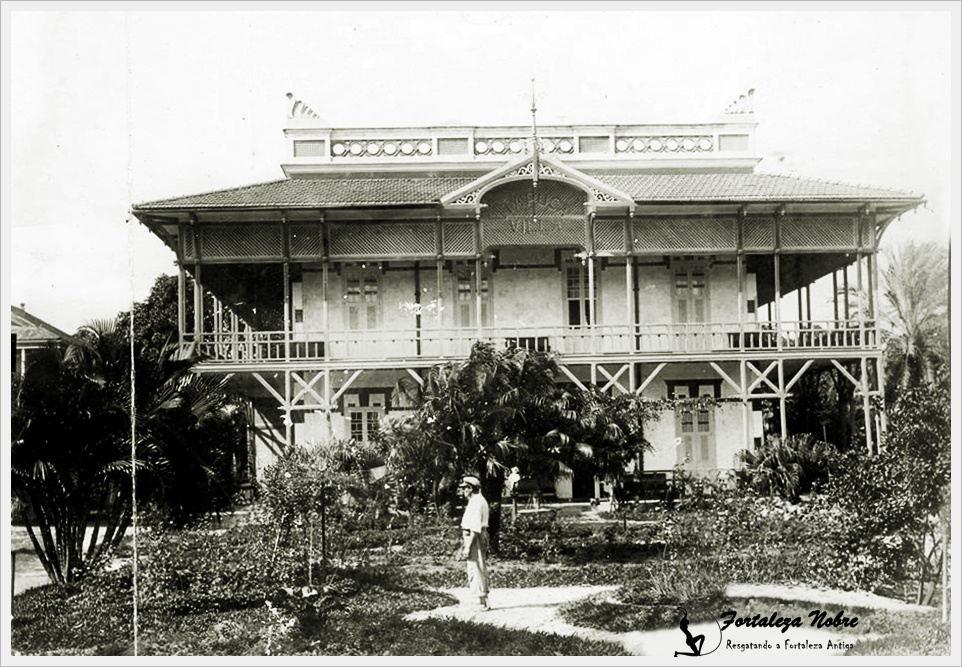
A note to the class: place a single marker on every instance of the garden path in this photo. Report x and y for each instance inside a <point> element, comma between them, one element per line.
<point>537,610</point>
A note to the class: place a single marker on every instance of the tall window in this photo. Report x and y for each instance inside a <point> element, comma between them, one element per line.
<point>361,297</point>
<point>465,296</point>
<point>690,292</point>
<point>581,310</point>
<point>695,429</point>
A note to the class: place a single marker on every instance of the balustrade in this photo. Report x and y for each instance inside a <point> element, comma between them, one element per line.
<point>709,337</point>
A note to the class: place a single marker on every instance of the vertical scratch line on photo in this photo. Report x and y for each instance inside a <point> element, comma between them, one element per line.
<point>133,394</point>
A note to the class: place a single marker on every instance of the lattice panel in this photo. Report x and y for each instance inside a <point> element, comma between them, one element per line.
<point>305,241</point>
<point>679,234</point>
<point>520,198</point>
<point>458,239</point>
<point>189,252</point>
<point>524,230</point>
<point>237,241</point>
<point>383,240</point>
<point>609,234</point>
<point>818,232</point>
<point>758,234</point>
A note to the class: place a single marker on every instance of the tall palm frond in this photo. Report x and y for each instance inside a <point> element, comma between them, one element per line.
<point>914,314</point>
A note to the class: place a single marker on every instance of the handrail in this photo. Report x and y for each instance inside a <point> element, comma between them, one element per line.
<point>653,338</point>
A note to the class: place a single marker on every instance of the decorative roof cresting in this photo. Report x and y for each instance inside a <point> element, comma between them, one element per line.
<point>742,105</point>
<point>299,109</point>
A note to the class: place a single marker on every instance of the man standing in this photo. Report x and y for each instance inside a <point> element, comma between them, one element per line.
<point>474,532</point>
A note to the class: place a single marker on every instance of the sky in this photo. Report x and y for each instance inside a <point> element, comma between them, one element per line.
<point>105,109</point>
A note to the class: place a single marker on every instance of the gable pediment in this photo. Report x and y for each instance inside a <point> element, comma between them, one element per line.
<point>599,195</point>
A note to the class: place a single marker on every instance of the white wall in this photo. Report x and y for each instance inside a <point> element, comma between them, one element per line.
<point>654,295</point>
<point>528,298</point>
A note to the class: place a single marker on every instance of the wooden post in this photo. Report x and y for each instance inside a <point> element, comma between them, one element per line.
<point>181,304</point>
<point>779,212</point>
<point>782,403</point>
<point>323,528</point>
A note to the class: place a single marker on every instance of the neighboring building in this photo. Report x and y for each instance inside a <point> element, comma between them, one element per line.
<point>651,259</point>
<point>29,334</point>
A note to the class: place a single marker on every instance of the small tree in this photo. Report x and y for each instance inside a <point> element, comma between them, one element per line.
<point>900,497</point>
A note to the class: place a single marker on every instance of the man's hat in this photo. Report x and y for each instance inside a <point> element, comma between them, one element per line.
<point>470,480</point>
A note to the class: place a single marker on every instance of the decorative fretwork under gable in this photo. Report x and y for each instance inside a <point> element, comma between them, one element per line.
<point>600,194</point>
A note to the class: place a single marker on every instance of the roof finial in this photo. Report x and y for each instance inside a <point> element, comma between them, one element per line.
<point>299,109</point>
<point>743,105</point>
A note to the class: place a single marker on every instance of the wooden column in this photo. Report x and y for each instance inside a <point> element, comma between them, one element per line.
<point>478,240</point>
<point>181,304</point>
<point>746,404</point>
<point>198,305</point>
<point>417,309</point>
<point>740,279</point>
<point>325,298</point>
<point>782,396</point>
<point>777,299</point>
<point>880,360</point>
<point>859,285</point>
<point>835,293</point>
<point>590,249</point>
<point>439,273</point>
<point>198,284</point>
<point>848,309</point>
<point>866,405</point>
<point>288,422</point>
<point>285,242</point>
<point>782,402</point>
<point>629,282</point>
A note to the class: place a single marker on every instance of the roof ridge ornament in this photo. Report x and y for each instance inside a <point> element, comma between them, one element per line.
<point>299,109</point>
<point>743,105</point>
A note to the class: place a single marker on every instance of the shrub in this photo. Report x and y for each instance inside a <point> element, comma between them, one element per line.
<point>789,468</point>
<point>898,499</point>
<point>205,568</point>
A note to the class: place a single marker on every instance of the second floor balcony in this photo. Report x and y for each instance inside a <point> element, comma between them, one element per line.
<point>570,343</point>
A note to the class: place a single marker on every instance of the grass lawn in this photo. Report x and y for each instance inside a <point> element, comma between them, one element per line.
<point>369,619</point>
<point>210,597</point>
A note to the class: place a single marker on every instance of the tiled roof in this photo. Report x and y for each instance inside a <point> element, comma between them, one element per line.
<point>316,192</point>
<point>33,330</point>
<point>353,190</point>
<point>740,187</point>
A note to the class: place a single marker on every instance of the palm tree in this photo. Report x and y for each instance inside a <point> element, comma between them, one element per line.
<point>71,453</point>
<point>479,416</point>
<point>914,315</point>
<point>605,432</point>
<point>70,461</point>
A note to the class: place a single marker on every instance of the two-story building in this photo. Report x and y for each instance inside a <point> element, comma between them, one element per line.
<point>651,259</point>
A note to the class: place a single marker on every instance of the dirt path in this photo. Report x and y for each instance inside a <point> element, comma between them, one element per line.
<point>536,609</point>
